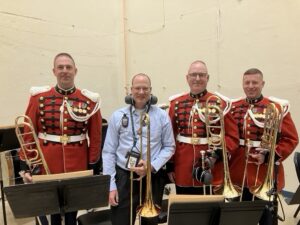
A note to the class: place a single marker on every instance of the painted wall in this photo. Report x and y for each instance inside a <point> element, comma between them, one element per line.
<point>113,40</point>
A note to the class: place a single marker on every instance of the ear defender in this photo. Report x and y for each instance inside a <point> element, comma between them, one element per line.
<point>129,100</point>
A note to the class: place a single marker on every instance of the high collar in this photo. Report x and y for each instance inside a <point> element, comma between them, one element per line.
<point>199,95</point>
<point>254,100</point>
<point>65,92</point>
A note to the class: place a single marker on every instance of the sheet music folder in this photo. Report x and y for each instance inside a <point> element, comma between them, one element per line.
<point>237,213</point>
<point>8,138</point>
<point>58,196</point>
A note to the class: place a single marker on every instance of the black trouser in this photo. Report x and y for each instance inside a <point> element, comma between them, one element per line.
<point>121,213</point>
<point>70,219</point>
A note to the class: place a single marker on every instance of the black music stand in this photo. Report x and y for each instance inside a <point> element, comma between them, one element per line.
<point>292,198</point>
<point>8,141</point>
<point>237,213</point>
<point>58,196</point>
<point>203,210</point>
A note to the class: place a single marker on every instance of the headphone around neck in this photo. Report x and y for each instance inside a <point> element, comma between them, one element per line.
<point>129,100</point>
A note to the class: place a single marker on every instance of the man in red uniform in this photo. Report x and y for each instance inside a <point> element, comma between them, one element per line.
<point>249,114</point>
<point>68,124</point>
<point>188,120</point>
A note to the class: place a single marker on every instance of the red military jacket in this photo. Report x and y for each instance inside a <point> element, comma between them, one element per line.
<point>191,123</point>
<point>249,116</point>
<point>63,120</point>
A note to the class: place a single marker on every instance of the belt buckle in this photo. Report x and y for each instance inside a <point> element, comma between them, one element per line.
<point>195,140</point>
<point>249,143</point>
<point>64,139</point>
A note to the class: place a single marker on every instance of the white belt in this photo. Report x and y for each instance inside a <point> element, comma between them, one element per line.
<point>255,144</point>
<point>191,140</point>
<point>62,139</point>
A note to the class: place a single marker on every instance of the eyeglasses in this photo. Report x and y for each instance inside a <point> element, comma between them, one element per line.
<point>194,75</point>
<point>144,89</point>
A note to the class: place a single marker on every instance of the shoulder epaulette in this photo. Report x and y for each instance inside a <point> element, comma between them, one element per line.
<point>233,100</point>
<point>227,100</point>
<point>95,97</point>
<point>176,96</point>
<point>285,104</point>
<point>40,89</point>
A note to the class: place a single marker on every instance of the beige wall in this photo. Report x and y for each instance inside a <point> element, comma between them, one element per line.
<point>161,38</point>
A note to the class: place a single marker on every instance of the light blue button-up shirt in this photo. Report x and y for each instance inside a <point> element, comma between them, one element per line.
<point>119,140</point>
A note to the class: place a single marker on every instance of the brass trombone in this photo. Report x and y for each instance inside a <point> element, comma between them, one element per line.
<point>29,144</point>
<point>268,141</point>
<point>216,139</point>
<point>148,209</point>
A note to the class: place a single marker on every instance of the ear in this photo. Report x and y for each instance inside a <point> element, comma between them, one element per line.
<point>263,83</point>
<point>75,71</point>
<point>53,71</point>
<point>207,77</point>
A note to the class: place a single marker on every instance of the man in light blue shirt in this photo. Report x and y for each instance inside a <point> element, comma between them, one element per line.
<point>122,152</point>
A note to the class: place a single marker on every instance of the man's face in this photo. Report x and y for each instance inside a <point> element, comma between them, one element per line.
<point>253,85</point>
<point>141,91</point>
<point>197,77</point>
<point>65,71</point>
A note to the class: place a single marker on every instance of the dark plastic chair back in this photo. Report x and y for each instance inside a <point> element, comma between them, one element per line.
<point>297,164</point>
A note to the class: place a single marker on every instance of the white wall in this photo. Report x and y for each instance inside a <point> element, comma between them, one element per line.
<point>161,38</point>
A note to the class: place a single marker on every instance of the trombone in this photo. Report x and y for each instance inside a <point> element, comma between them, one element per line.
<point>30,145</point>
<point>148,209</point>
<point>216,139</point>
<point>268,141</point>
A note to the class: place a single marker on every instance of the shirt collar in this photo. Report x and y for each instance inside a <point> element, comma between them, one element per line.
<point>65,92</point>
<point>254,100</point>
<point>199,95</point>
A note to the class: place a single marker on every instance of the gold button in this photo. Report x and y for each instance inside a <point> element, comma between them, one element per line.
<point>194,135</point>
<point>65,128</point>
<point>65,120</point>
<point>41,112</point>
<point>66,112</point>
<point>195,120</point>
<point>195,127</point>
<point>66,98</point>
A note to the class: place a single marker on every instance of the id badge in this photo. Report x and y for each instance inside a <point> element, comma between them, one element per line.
<point>132,159</point>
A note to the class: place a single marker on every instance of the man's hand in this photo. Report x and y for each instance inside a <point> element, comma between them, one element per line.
<point>140,169</point>
<point>27,178</point>
<point>259,155</point>
<point>113,198</point>
<point>171,176</point>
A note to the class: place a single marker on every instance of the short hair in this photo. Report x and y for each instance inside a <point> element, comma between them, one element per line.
<point>198,61</point>
<point>253,71</point>
<point>63,54</point>
<point>142,75</point>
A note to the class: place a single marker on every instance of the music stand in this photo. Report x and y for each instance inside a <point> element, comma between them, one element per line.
<point>58,196</point>
<point>292,198</point>
<point>194,209</point>
<point>246,213</point>
<point>8,141</point>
